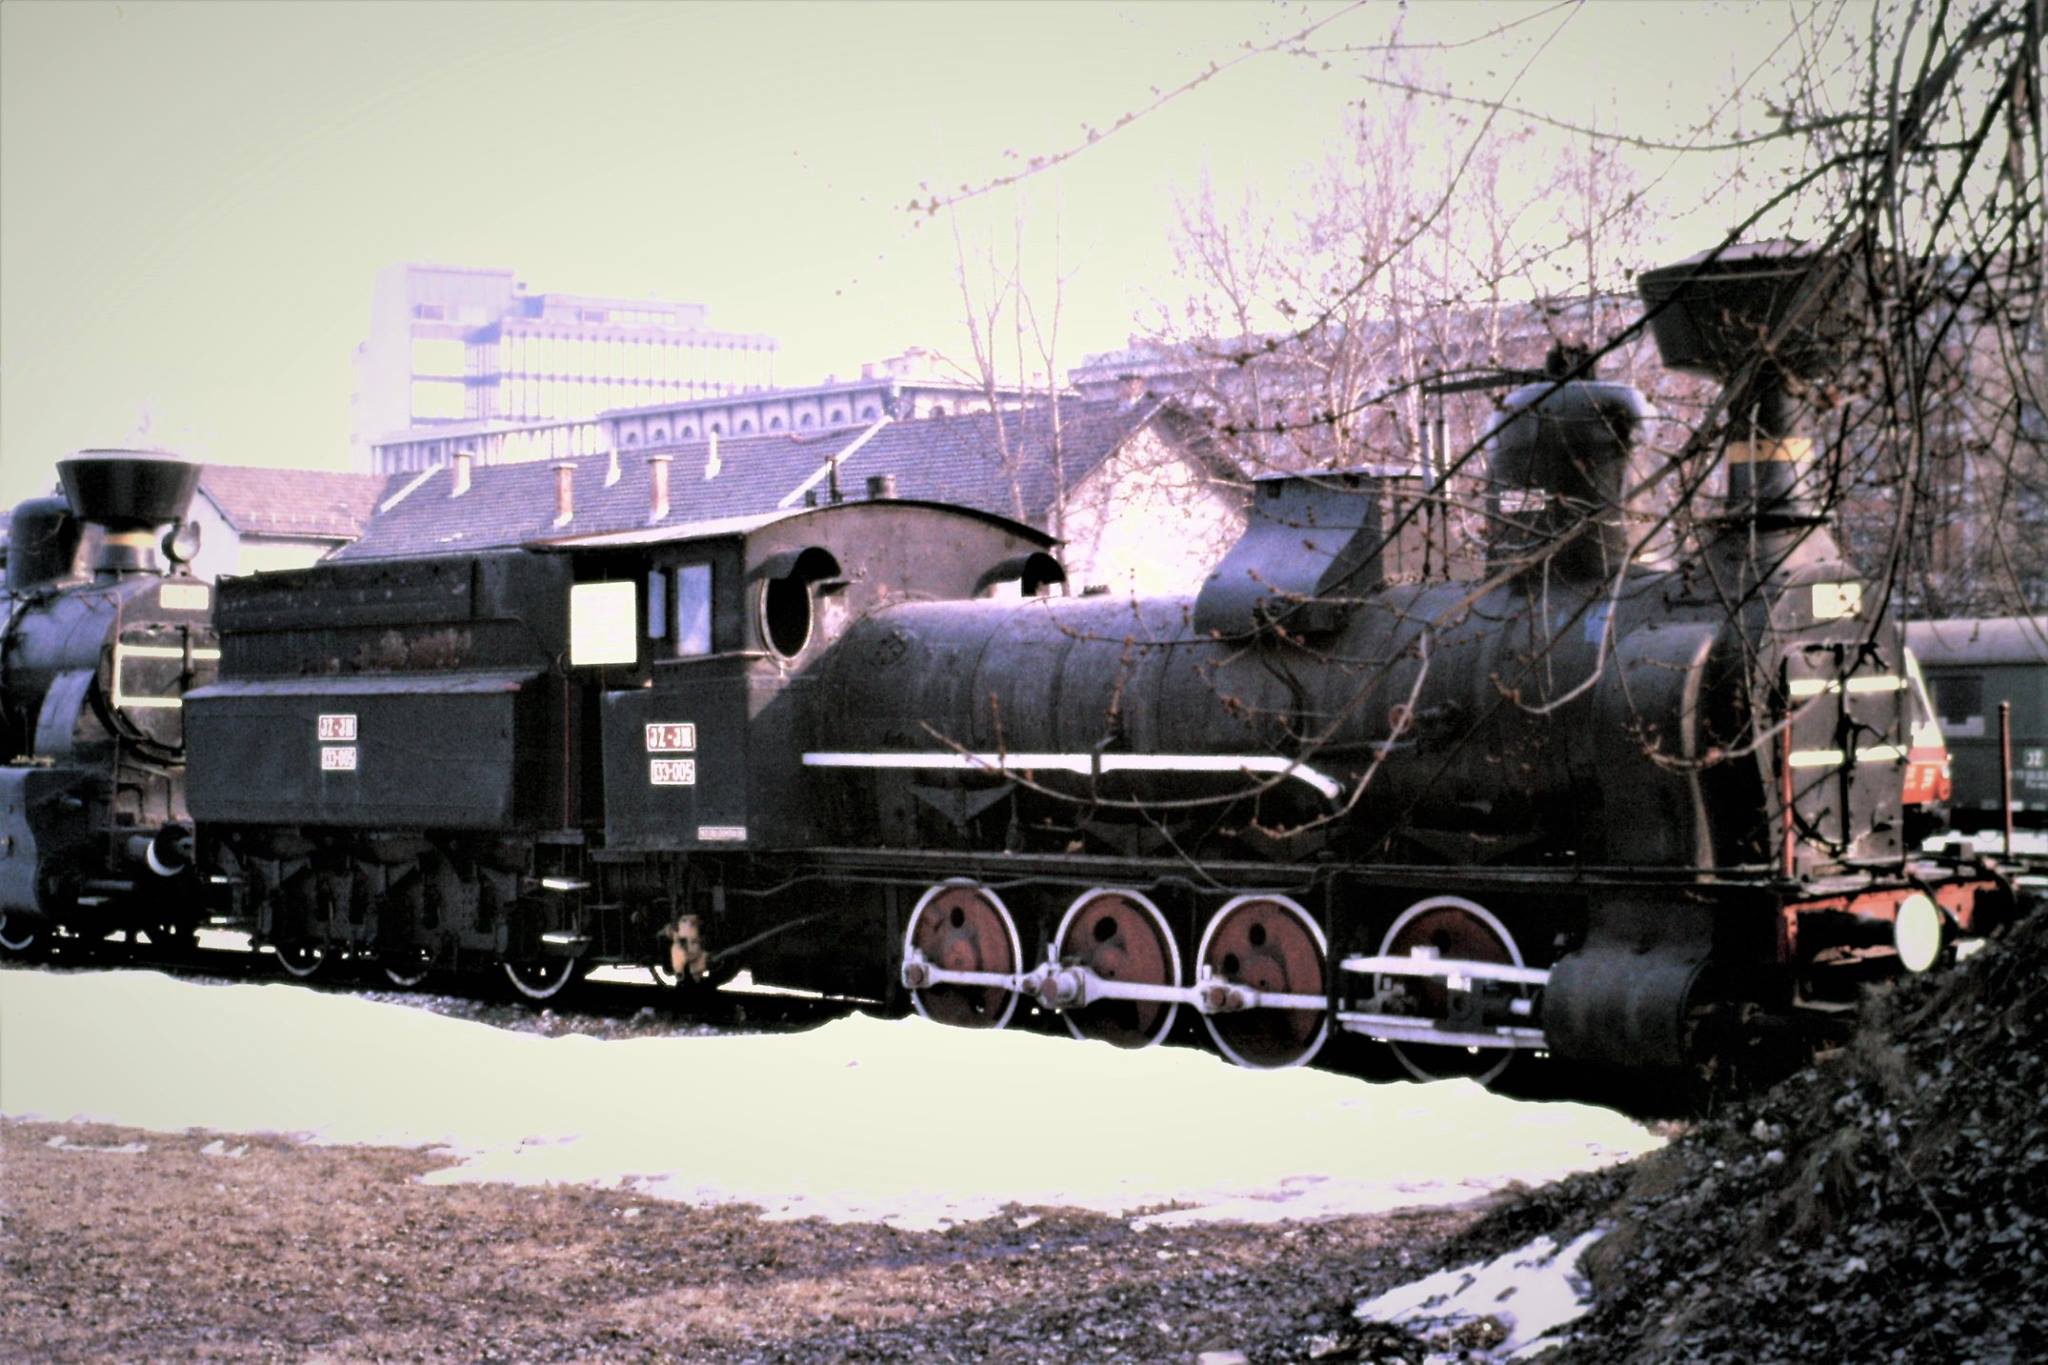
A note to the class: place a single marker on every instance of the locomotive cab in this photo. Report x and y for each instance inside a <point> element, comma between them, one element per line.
<point>731,616</point>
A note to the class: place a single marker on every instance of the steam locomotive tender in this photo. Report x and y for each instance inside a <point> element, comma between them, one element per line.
<point>1620,811</point>
<point>103,637</point>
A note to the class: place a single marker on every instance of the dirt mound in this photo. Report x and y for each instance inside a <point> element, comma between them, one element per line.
<point>1884,1204</point>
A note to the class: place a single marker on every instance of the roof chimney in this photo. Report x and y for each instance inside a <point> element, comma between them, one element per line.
<point>657,488</point>
<point>565,492</point>
<point>461,476</point>
<point>711,462</point>
<point>881,486</point>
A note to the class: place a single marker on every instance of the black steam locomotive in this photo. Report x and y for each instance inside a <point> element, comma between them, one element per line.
<point>105,634</point>
<point>1626,813</point>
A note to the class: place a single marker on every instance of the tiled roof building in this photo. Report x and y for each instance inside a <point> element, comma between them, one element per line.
<point>251,517</point>
<point>1137,490</point>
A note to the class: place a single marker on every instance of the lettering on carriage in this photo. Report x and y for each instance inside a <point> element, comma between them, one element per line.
<point>338,729</point>
<point>671,737</point>
<point>672,772</point>
<point>337,758</point>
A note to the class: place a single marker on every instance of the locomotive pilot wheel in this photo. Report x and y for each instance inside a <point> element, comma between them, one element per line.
<point>1270,944</point>
<point>1120,936</point>
<point>962,926</point>
<point>1458,929</point>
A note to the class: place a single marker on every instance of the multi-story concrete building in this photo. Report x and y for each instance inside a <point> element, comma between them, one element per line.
<point>452,346</point>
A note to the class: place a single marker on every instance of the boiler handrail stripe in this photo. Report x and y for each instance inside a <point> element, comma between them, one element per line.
<point>1086,764</point>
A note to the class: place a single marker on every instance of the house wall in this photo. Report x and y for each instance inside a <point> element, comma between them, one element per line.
<point>1148,520</point>
<point>223,552</point>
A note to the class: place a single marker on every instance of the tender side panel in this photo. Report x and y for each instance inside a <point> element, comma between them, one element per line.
<point>443,751</point>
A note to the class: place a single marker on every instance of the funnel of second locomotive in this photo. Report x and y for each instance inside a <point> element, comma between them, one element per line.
<point>1763,319</point>
<point>1772,310</point>
<point>128,490</point>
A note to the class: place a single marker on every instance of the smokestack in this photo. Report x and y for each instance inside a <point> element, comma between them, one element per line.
<point>461,483</point>
<point>1765,320</point>
<point>657,488</point>
<point>128,494</point>
<point>565,492</point>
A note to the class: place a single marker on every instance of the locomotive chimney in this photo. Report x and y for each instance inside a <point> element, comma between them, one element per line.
<point>565,492</point>
<point>128,494</point>
<point>657,488</point>
<point>1761,319</point>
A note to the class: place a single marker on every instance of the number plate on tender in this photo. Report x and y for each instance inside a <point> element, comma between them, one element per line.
<point>672,772</point>
<point>671,737</point>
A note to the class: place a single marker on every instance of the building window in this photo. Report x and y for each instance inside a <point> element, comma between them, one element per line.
<point>689,432</point>
<point>632,438</point>
<point>804,420</point>
<point>746,426</point>
<point>660,435</point>
<point>718,428</point>
<point>774,424</point>
<point>868,413</point>
<point>838,415</point>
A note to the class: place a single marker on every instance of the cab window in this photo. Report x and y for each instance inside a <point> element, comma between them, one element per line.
<point>693,610</point>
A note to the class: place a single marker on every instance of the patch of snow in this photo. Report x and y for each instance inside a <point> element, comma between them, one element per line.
<point>64,1144</point>
<point>903,1121</point>
<point>1530,1292</point>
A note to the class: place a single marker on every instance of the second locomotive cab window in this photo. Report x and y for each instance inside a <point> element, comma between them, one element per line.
<point>1960,699</point>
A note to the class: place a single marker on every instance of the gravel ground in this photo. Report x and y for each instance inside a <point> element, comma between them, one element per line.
<point>120,1245</point>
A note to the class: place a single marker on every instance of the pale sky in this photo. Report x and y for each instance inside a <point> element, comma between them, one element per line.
<point>195,198</point>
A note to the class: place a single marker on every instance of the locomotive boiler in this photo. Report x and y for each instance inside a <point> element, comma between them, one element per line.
<point>104,634</point>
